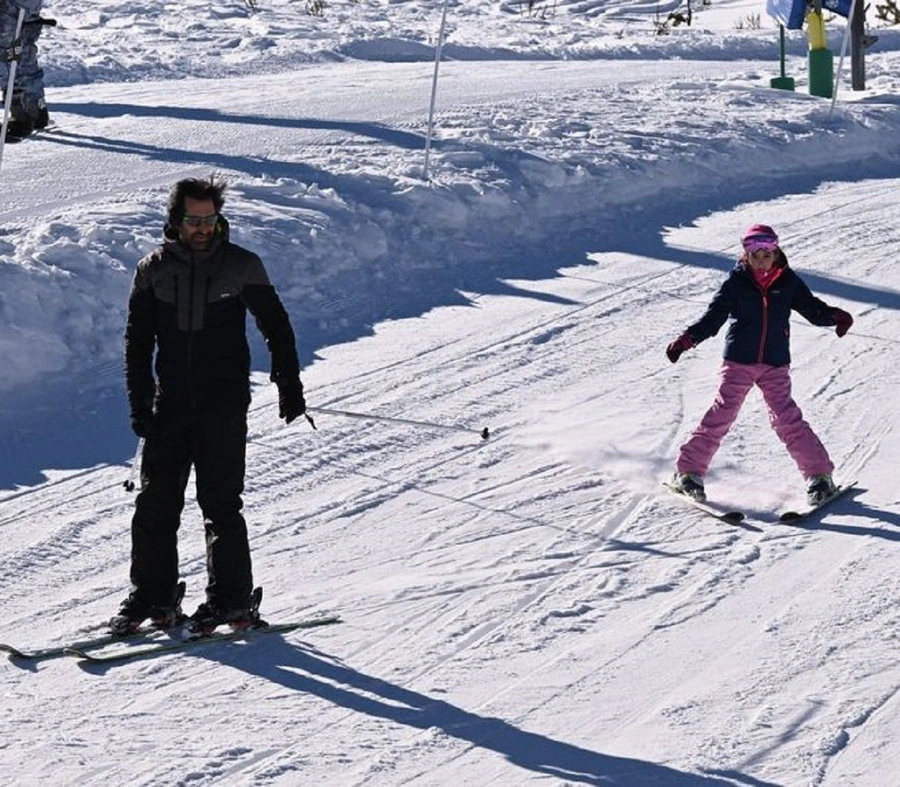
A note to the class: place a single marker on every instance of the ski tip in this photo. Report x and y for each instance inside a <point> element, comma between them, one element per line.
<point>13,653</point>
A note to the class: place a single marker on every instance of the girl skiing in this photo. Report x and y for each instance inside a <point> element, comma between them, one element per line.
<point>758,296</point>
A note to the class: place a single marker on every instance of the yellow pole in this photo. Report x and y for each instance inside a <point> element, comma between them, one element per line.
<point>815,27</point>
<point>821,59</point>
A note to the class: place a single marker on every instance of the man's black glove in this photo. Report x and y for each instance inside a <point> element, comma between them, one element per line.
<point>142,422</point>
<point>291,404</point>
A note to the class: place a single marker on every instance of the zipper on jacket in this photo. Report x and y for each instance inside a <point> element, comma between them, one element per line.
<point>207,283</point>
<point>190,336</point>
<point>765,327</point>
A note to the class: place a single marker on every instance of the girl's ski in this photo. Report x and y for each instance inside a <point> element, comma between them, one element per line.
<point>803,513</point>
<point>724,514</point>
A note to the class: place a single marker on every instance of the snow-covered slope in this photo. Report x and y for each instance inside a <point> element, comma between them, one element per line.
<point>524,609</point>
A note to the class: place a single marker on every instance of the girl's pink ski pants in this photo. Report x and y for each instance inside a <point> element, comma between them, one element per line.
<point>735,382</point>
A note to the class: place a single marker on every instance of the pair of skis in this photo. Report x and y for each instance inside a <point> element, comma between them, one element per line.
<point>148,641</point>
<point>733,517</point>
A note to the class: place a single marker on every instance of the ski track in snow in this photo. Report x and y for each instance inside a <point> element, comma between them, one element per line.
<point>620,552</point>
<point>528,608</point>
<point>609,560</point>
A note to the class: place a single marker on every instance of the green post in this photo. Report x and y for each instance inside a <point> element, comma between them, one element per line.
<point>781,82</point>
<point>821,72</point>
<point>821,58</point>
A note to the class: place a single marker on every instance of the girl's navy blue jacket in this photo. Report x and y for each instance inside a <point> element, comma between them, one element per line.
<point>760,328</point>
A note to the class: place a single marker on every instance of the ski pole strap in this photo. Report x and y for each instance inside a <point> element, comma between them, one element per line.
<point>13,53</point>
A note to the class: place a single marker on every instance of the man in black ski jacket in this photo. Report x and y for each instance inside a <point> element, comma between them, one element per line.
<point>188,305</point>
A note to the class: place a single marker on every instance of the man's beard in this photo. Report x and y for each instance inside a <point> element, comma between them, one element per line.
<point>201,243</point>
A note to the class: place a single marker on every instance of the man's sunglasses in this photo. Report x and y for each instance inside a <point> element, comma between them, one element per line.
<point>197,221</point>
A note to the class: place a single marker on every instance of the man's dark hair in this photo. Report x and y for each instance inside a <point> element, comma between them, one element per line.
<point>195,188</point>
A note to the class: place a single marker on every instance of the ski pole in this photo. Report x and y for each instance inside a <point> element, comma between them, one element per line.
<point>11,56</point>
<point>129,484</point>
<point>485,433</point>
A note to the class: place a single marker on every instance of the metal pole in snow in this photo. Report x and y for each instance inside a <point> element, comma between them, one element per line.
<point>837,76</point>
<point>129,484</point>
<point>437,63</point>
<point>14,56</point>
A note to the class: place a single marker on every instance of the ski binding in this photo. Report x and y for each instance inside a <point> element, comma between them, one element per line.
<point>803,513</point>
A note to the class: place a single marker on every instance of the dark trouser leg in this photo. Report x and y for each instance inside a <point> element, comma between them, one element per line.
<point>165,466</point>
<point>29,75</point>
<point>220,446</point>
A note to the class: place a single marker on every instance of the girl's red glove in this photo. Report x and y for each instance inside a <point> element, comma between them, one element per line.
<point>682,343</point>
<point>842,320</point>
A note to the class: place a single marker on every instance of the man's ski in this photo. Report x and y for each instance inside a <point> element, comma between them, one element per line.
<point>803,513</point>
<point>723,514</point>
<point>103,640</point>
<point>168,646</point>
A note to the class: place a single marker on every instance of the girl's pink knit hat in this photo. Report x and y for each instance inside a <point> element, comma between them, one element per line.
<point>759,236</point>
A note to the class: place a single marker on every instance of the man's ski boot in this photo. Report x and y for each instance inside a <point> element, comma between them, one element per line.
<point>819,488</point>
<point>134,612</point>
<point>689,484</point>
<point>27,114</point>
<point>210,616</point>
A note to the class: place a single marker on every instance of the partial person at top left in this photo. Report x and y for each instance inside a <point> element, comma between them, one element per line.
<point>28,108</point>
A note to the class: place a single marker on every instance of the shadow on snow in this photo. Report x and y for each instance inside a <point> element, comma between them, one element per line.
<point>51,424</point>
<point>313,674</point>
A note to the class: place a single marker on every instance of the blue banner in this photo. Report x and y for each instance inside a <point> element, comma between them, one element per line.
<point>839,7</point>
<point>792,13</point>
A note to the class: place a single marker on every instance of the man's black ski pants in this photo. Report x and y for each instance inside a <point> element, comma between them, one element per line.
<point>214,443</point>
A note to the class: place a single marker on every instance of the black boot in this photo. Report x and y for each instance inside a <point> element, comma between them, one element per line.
<point>38,113</point>
<point>210,615</point>
<point>26,115</point>
<point>134,611</point>
<point>690,484</point>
